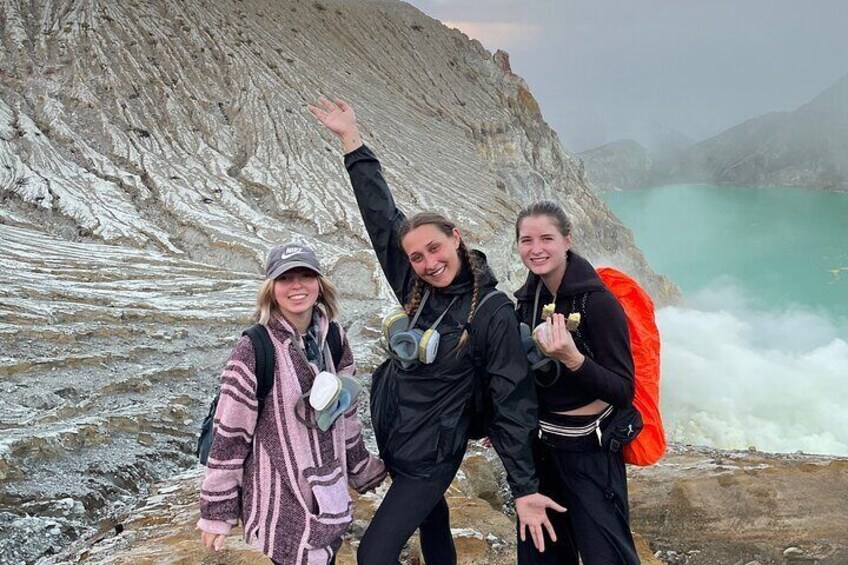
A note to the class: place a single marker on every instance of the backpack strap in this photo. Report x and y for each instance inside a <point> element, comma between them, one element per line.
<point>263,350</point>
<point>334,340</point>
<point>476,353</point>
<point>578,304</point>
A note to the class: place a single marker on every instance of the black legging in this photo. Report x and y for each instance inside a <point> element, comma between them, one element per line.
<point>410,504</point>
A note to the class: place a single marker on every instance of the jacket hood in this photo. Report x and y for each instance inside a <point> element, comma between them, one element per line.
<point>464,283</point>
<point>580,278</point>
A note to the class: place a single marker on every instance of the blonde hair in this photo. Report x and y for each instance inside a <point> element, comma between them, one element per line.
<point>267,307</point>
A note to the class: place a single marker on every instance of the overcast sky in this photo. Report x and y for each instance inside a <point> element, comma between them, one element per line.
<point>609,69</point>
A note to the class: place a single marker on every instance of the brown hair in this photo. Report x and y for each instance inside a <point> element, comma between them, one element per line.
<point>266,304</point>
<point>446,227</point>
<point>547,208</point>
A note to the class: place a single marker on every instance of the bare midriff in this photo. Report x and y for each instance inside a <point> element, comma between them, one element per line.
<point>591,409</point>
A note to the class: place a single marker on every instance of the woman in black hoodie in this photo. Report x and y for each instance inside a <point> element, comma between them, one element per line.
<point>584,380</point>
<point>422,411</point>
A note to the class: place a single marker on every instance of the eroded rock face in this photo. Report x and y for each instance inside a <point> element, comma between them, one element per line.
<point>181,127</point>
<point>622,164</point>
<point>151,153</point>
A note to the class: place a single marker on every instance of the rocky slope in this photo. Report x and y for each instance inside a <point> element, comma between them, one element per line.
<point>803,148</point>
<point>151,152</point>
<point>181,127</point>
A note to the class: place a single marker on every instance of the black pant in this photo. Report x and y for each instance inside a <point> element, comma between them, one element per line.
<point>410,504</point>
<point>592,484</point>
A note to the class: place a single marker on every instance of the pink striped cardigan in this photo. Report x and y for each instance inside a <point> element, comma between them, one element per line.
<point>285,481</point>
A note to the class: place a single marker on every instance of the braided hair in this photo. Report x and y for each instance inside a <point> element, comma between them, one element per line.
<point>446,227</point>
<point>476,272</point>
<point>415,297</point>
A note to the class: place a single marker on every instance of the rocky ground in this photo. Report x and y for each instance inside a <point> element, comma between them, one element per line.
<point>161,530</point>
<point>696,507</point>
<point>704,506</point>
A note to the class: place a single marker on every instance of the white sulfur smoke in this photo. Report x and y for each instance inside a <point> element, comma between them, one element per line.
<point>734,377</point>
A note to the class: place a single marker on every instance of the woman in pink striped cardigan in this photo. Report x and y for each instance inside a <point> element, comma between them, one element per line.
<point>273,468</point>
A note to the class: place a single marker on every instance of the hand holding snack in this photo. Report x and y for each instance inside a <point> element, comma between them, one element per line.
<point>556,342</point>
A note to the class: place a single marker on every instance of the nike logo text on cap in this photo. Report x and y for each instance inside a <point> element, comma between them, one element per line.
<point>290,252</point>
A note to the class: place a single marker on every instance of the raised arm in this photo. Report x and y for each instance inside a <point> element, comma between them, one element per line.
<point>376,206</point>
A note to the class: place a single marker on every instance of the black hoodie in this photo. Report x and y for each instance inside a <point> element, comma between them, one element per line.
<point>608,373</point>
<point>421,416</point>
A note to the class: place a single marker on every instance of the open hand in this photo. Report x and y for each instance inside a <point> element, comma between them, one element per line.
<point>532,515</point>
<point>338,117</point>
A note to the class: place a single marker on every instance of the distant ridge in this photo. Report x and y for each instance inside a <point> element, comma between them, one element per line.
<point>805,148</point>
<point>617,165</point>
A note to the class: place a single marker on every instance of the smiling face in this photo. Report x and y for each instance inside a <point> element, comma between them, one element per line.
<point>433,254</point>
<point>296,292</point>
<point>542,246</point>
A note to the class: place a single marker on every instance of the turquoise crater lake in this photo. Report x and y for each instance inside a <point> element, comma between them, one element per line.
<point>784,247</point>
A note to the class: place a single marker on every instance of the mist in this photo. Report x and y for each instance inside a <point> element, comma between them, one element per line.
<point>735,377</point>
<point>658,71</point>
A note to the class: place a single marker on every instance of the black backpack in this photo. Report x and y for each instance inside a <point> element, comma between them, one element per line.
<point>482,408</point>
<point>264,353</point>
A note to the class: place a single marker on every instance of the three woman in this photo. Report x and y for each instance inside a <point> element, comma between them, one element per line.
<point>585,382</point>
<point>422,403</point>
<point>279,464</point>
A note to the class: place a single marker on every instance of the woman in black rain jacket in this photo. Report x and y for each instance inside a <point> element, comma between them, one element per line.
<point>422,412</point>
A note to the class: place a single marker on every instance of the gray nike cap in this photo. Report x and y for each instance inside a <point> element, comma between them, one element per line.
<point>289,256</point>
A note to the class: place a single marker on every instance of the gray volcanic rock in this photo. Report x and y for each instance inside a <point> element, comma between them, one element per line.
<point>803,148</point>
<point>618,165</point>
<point>151,153</point>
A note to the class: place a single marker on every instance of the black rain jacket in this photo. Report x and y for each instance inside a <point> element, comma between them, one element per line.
<point>421,416</point>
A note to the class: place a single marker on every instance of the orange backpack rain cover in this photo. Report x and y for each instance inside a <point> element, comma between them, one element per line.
<point>650,444</point>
